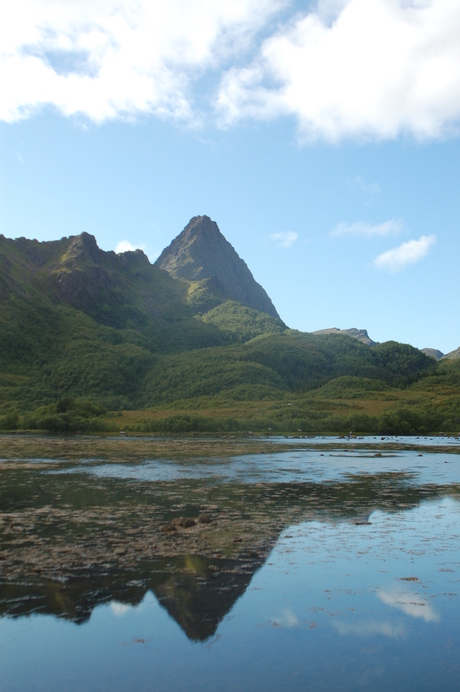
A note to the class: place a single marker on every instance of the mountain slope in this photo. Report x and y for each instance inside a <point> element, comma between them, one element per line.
<point>453,355</point>
<point>78,321</point>
<point>201,252</point>
<point>83,329</point>
<point>123,291</point>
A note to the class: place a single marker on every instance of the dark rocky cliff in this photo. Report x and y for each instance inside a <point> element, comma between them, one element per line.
<point>201,252</point>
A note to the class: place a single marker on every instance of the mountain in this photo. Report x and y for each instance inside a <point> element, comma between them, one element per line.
<point>360,334</point>
<point>78,321</point>
<point>433,353</point>
<point>83,330</point>
<point>453,355</point>
<point>122,291</point>
<point>201,253</point>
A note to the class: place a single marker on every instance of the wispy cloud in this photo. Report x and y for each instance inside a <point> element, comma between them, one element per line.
<point>285,239</point>
<point>406,254</point>
<point>286,618</point>
<point>391,227</point>
<point>367,188</point>
<point>410,603</point>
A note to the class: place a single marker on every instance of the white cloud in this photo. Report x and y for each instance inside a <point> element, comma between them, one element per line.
<point>126,246</point>
<point>119,609</point>
<point>356,68</point>
<point>391,227</point>
<point>367,188</point>
<point>410,603</point>
<point>408,253</point>
<point>347,68</point>
<point>107,59</point>
<point>285,239</point>
<point>286,619</point>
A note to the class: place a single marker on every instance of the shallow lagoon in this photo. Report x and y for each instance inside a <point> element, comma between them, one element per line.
<point>293,571</point>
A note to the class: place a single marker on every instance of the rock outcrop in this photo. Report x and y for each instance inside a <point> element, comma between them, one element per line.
<point>360,334</point>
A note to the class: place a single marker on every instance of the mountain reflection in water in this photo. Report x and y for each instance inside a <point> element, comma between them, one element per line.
<point>74,536</point>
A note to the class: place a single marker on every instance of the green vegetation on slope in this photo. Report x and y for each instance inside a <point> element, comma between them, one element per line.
<point>85,333</point>
<point>241,323</point>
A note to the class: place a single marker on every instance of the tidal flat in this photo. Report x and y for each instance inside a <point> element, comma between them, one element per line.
<point>230,563</point>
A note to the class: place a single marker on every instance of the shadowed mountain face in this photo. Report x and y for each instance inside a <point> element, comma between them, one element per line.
<point>201,252</point>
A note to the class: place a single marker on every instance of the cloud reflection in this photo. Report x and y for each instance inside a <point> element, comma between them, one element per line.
<point>119,609</point>
<point>410,603</point>
<point>286,619</point>
<point>362,629</point>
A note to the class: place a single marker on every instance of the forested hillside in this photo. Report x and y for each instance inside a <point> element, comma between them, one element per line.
<point>95,340</point>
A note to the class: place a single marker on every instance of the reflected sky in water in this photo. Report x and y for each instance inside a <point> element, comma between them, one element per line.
<point>287,467</point>
<point>437,441</point>
<point>338,604</point>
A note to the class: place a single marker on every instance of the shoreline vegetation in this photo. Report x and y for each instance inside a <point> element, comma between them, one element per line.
<point>430,405</point>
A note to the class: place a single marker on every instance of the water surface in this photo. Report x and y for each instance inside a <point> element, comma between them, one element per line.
<point>305,569</point>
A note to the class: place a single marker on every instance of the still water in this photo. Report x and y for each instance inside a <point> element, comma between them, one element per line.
<point>284,571</point>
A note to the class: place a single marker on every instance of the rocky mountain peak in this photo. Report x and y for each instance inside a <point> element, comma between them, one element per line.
<point>83,246</point>
<point>202,252</point>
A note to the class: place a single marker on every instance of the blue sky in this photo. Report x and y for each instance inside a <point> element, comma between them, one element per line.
<point>321,137</point>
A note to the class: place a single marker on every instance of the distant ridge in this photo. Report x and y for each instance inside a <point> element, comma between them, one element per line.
<point>201,252</point>
<point>433,353</point>
<point>453,355</point>
<point>360,334</point>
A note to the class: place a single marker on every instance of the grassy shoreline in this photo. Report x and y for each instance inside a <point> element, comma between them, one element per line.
<point>347,404</point>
